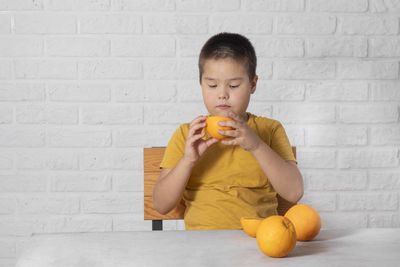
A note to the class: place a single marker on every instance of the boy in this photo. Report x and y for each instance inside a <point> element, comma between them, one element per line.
<point>222,181</point>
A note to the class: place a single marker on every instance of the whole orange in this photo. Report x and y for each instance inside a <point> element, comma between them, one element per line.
<point>213,127</point>
<point>276,236</point>
<point>306,220</point>
<point>250,225</point>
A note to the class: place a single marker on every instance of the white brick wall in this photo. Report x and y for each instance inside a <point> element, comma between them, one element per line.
<point>85,85</point>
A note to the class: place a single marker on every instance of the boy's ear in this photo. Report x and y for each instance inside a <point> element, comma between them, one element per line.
<point>254,84</point>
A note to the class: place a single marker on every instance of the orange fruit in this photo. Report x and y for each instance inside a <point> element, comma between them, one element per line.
<point>306,221</point>
<point>276,236</point>
<point>213,127</point>
<point>250,225</point>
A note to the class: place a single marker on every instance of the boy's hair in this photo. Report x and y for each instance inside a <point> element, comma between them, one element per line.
<point>229,45</point>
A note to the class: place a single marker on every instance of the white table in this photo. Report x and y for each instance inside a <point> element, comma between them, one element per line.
<point>363,247</point>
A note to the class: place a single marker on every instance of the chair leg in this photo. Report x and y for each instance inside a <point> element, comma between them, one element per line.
<point>157,225</point>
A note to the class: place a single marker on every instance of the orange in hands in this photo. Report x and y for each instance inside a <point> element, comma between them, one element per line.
<point>213,127</point>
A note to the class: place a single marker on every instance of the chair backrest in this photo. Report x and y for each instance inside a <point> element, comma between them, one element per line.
<point>152,158</point>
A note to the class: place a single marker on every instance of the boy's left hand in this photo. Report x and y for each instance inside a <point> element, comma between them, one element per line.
<point>241,134</point>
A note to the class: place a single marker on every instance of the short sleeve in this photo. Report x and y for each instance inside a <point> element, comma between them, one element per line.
<point>175,148</point>
<point>280,143</point>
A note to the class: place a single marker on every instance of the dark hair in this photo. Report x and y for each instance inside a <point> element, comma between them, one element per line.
<point>229,45</point>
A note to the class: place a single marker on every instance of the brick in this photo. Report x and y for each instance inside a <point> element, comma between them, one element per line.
<point>368,113</point>
<point>265,70</point>
<point>45,24</point>
<point>194,5</point>
<point>226,5</point>
<point>80,182</point>
<point>385,6</point>
<point>340,220</point>
<point>335,181</point>
<point>7,205</point>
<point>367,201</point>
<point>132,203</point>
<point>6,160</point>
<point>274,5</point>
<point>21,5</point>
<point>383,220</point>
<point>147,136</point>
<point>22,92</point>
<point>278,91</point>
<point>189,91</point>
<point>45,69</point>
<point>305,113</point>
<point>385,91</point>
<point>384,180</point>
<point>172,114</point>
<point>337,135</point>
<point>7,248</point>
<point>260,108</point>
<point>339,6</point>
<point>369,70</point>
<point>143,5</point>
<point>364,159</point>
<point>79,92</point>
<point>304,70</point>
<point>190,46</point>
<point>6,114</point>
<point>16,136</point>
<point>279,47</point>
<point>6,70</point>
<point>48,205</point>
<point>132,222</point>
<point>5,23</point>
<point>310,24</point>
<point>46,114</point>
<point>385,135</point>
<point>143,47</point>
<point>384,47</point>
<point>22,183</point>
<point>121,159</point>
<point>316,159</point>
<point>132,182</point>
<point>110,69</point>
<point>336,47</point>
<point>175,24</point>
<point>320,201</point>
<point>369,25</point>
<point>296,135</point>
<point>47,159</point>
<point>74,137</point>
<point>73,5</point>
<point>116,114</point>
<point>171,69</point>
<point>248,24</point>
<point>116,24</point>
<point>145,92</point>
<point>78,47</point>
<point>20,47</point>
<point>337,91</point>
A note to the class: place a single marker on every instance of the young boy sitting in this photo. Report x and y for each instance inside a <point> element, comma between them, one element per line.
<point>222,181</point>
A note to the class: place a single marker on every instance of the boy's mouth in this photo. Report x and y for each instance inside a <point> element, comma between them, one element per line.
<point>223,106</point>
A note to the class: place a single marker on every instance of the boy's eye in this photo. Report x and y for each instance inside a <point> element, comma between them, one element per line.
<point>212,85</point>
<point>234,86</point>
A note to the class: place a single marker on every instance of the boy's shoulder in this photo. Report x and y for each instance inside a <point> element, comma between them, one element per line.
<point>263,122</point>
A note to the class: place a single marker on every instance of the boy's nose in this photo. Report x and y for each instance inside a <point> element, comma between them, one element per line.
<point>223,94</point>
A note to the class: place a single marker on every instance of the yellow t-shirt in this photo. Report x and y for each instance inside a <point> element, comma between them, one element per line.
<point>227,182</point>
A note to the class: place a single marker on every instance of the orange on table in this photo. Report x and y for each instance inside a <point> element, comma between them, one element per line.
<point>306,221</point>
<point>276,236</point>
<point>250,225</point>
<point>213,127</point>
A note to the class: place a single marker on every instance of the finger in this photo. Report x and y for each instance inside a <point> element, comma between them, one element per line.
<point>235,116</point>
<point>211,141</point>
<point>196,137</point>
<point>231,142</point>
<point>229,123</point>
<point>196,127</point>
<point>198,119</point>
<point>231,133</point>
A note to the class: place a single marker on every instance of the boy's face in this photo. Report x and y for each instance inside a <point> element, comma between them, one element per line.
<point>226,87</point>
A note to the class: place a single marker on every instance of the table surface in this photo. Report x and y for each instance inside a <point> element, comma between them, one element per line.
<point>361,247</point>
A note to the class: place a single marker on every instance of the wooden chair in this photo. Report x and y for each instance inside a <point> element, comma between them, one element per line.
<point>152,158</point>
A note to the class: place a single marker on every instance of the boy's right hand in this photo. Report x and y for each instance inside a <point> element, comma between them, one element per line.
<point>195,146</point>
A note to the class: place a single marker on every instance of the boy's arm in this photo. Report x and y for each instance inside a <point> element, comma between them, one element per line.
<point>283,175</point>
<point>170,186</point>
